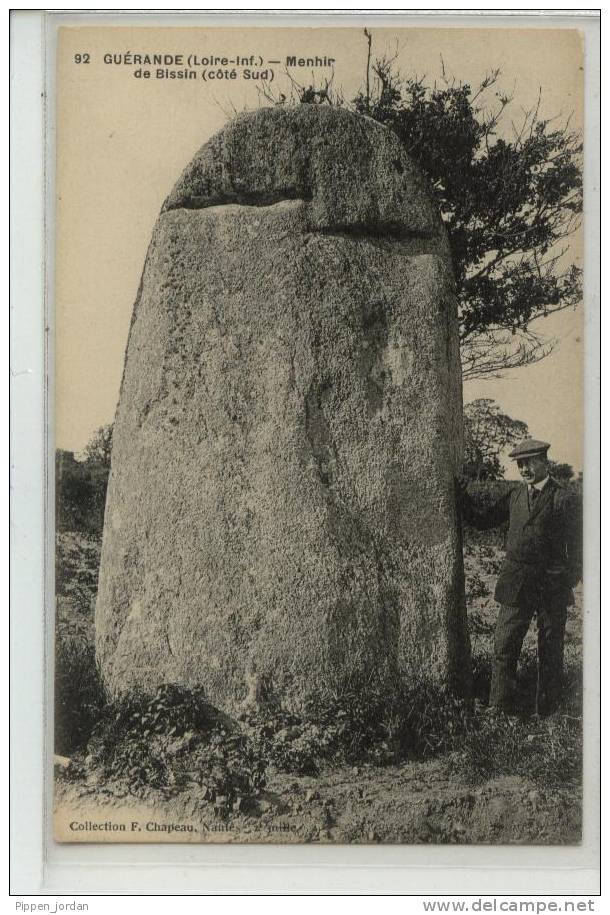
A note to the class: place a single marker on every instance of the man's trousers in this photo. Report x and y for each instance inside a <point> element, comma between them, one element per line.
<point>511,628</point>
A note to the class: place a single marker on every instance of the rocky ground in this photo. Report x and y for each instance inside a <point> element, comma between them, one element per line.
<point>507,785</point>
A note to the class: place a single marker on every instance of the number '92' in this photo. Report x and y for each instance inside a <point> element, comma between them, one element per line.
<point>82,58</point>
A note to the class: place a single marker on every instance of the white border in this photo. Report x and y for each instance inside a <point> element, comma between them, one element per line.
<point>40,866</point>
<point>27,448</point>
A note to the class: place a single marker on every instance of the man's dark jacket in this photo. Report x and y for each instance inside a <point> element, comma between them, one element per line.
<point>543,546</point>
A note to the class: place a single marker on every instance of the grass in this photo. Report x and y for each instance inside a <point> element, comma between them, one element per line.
<point>80,698</point>
<point>173,738</point>
<point>548,751</point>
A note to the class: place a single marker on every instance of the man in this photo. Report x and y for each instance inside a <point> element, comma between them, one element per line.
<point>541,566</point>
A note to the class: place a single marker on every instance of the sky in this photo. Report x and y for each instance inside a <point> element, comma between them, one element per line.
<point>122,142</point>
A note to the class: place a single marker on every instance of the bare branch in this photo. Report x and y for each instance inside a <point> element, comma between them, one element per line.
<point>492,354</point>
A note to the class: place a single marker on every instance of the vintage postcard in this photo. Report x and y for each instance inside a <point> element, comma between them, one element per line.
<point>318,424</point>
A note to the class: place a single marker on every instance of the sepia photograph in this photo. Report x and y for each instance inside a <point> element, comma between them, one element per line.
<point>318,435</point>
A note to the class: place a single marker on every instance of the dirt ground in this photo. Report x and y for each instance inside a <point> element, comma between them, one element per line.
<point>414,802</point>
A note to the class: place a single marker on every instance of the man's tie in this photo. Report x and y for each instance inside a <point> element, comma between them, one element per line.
<point>534,493</point>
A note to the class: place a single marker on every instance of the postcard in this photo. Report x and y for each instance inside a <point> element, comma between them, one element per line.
<point>318,420</point>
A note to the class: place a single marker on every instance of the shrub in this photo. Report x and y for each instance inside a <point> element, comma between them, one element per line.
<point>79,692</point>
<point>170,711</point>
<point>432,720</point>
<point>475,588</point>
<point>329,728</point>
<point>416,721</point>
<point>288,742</point>
<point>481,675</point>
<point>175,738</point>
<point>77,561</point>
<point>485,492</point>
<point>548,751</point>
<point>80,697</point>
<point>80,490</point>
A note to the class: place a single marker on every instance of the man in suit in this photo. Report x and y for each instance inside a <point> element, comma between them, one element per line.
<point>541,566</point>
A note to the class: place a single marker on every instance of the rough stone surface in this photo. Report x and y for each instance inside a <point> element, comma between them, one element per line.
<point>281,513</point>
<point>354,174</point>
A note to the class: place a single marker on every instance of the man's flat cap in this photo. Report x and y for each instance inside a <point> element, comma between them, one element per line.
<point>529,447</point>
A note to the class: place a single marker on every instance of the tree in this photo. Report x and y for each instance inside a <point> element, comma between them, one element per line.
<point>98,449</point>
<point>487,433</point>
<point>81,485</point>
<point>562,472</point>
<point>509,192</point>
<point>509,199</point>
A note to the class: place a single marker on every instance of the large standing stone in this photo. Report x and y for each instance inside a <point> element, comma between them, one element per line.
<point>281,502</point>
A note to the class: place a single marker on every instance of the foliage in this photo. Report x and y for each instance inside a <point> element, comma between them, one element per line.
<point>77,560</point>
<point>170,711</point>
<point>482,561</point>
<point>432,720</point>
<point>79,693</point>
<point>329,728</point>
<point>80,491</point>
<point>484,493</point>
<point>563,473</point>
<point>487,433</point>
<point>98,449</point>
<point>286,741</point>
<point>510,194</point>
<point>415,720</point>
<point>481,548</point>
<point>548,751</point>
<point>476,588</point>
<point>81,485</point>
<point>175,738</point>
